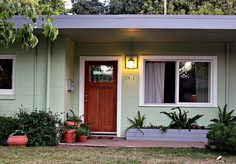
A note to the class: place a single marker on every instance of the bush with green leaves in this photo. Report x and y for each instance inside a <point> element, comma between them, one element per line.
<point>224,116</point>
<point>83,130</point>
<point>181,120</point>
<point>222,137</point>
<point>7,126</point>
<point>41,126</point>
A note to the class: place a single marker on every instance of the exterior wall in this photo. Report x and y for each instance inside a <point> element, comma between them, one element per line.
<point>24,87</point>
<point>31,78</point>
<point>70,52</point>
<point>58,75</point>
<point>232,78</point>
<point>130,89</point>
<point>40,73</point>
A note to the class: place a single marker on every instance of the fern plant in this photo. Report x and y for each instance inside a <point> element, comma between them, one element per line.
<point>225,117</point>
<point>138,121</point>
<point>181,120</point>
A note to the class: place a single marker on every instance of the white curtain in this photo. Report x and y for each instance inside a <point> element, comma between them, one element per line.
<point>154,82</point>
<point>201,76</point>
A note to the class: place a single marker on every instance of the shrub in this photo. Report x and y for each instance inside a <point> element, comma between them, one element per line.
<point>83,130</point>
<point>41,127</point>
<point>181,120</point>
<point>7,126</point>
<point>222,137</point>
<point>225,117</point>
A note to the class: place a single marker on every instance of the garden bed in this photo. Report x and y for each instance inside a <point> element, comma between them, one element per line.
<point>195,135</point>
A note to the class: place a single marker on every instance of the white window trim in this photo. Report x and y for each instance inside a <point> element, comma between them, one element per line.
<point>213,90</point>
<point>9,91</point>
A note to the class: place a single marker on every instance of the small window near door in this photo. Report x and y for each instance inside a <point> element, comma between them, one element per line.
<point>7,74</point>
<point>100,73</point>
<point>185,81</point>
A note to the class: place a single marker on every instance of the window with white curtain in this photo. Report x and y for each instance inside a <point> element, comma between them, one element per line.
<point>7,74</point>
<point>178,80</point>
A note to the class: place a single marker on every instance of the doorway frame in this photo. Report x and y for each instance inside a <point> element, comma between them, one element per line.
<point>119,83</point>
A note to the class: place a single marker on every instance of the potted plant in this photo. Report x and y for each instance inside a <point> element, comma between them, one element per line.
<point>83,132</point>
<point>73,120</point>
<point>18,138</point>
<point>70,134</point>
<point>181,128</point>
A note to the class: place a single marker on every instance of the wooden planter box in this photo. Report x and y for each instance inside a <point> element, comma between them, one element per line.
<point>195,135</point>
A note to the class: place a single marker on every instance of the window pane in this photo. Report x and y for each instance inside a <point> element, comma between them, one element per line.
<point>5,73</point>
<point>194,82</point>
<point>100,73</point>
<point>159,82</point>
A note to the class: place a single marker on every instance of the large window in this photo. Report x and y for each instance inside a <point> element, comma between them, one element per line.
<point>184,81</point>
<point>7,65</point>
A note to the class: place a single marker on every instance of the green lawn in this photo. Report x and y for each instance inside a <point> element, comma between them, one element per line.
<point>110,155</point>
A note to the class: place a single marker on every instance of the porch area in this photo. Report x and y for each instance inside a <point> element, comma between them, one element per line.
<point>110,141</point>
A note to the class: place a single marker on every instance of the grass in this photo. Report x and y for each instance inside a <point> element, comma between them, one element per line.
<point>110,155</point>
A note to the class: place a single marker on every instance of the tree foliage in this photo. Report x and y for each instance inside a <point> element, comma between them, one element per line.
<point>88,7</point>
<point>24,35</point>
<point>174,7</point>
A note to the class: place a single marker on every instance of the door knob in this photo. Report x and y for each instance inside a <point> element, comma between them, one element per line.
<point>86,100</point>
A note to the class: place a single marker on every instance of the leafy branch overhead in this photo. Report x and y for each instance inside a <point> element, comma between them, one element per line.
<point>10,34</point>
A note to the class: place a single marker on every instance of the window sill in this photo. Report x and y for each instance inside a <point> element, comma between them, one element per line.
<point>202,105</point>
<point>7,97</point>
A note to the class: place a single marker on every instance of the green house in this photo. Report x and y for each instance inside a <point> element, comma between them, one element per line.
<point>109,67</point>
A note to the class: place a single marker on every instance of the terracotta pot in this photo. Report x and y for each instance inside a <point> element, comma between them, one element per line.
<point>70,123</point>
<point>69,137</point>
<point>71,131</point>
<point>83,138</point>
<point>17,140</point>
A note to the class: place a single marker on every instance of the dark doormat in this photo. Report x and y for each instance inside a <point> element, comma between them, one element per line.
<point>102,137</point>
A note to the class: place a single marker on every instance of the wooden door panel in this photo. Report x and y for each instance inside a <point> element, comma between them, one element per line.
<point>93,96</point>
<point>100,96</point>
<point>106,105</point>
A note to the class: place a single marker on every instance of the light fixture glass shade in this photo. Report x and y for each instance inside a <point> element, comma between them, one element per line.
<point>131,62</point>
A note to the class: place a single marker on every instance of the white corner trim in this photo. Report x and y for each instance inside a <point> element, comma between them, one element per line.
<point>213,91</point>
<point>119,84</point>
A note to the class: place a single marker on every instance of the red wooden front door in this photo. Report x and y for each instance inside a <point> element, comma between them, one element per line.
<point>100,95</point>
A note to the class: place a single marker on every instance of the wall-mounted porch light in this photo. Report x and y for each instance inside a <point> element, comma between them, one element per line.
<point>131,61</point>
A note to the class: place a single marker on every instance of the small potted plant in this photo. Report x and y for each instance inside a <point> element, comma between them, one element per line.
<point>83,132</point>
<point>70,134</point>
<point>73,120</point>
<point>18,138</point>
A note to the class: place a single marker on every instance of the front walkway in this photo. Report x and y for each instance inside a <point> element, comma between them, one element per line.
<point>121,142</point>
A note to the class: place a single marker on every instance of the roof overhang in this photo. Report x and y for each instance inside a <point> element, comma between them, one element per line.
<point>143,28</point>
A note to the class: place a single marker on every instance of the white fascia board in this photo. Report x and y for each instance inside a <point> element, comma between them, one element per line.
<point>139,22</point>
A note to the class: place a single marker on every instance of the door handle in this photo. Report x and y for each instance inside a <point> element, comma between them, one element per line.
<point>86,100</point>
